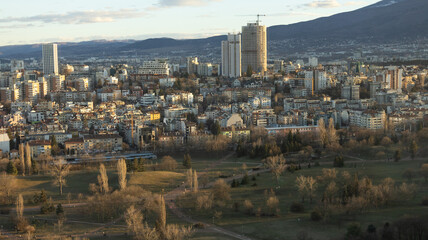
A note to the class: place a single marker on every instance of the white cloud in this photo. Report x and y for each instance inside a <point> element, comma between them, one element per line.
<point>356,3</point>
<point>78,17</point>
<point>323,4</point>
<point>174,3</point>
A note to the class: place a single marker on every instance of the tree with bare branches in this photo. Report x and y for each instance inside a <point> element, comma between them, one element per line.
<point>22,158</point>
<point>121,172</point>
<point>28,158</point>
<point>195,181</point>
<point>8,184</point>
<point>103,179</point>
<point>277,165</point>
<point>59,171</point>
<point>139,229</point>
<point>323,132</point>
<point>301,187</point>
<point>19,207</point>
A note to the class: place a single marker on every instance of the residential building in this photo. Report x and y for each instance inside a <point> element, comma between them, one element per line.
<point>4,143</point>
<point>50,59</point>
<point>231,56</point>
<point>39,147</point>
<point>156,67</point>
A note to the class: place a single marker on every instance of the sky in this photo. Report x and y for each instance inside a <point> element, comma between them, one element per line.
<point>40,21</point>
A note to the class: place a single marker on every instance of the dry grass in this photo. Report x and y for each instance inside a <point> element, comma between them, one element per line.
<point>157,180</point>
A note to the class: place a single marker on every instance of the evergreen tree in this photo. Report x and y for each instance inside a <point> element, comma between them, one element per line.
<point>215,129</point>
<point>59,210</point>
<point>413,149</point>
<point>397,155</point>
<point>11,169</point>
<point>338,161</point>
<point>245,179</point>
<point>187,161</point>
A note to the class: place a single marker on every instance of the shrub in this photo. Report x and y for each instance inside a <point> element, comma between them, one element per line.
<point>245,179</point>
<point>199,225</point>
<point>40,198</point>
<point>338,161</point>
<point>234,183</point>
<point>297,207</point>
<point>47,207</point>
<point>354,231</point>
<point>316,215</point>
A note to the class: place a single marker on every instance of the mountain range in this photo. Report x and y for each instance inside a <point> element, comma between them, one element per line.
<point>382,22</point>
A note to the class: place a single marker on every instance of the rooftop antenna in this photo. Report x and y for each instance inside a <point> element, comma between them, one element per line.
<point>258,18</point>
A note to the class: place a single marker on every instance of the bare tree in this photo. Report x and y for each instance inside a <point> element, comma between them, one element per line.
<point>8,184</point>
<point>248,206</point>
<point>302,187</point>
<point>121,172</point>
<point>19,207</point>
<point>28,158</point>
<point>189,178</point>
<point>22,158</point>
<point>204,202</point>
<point>136,226</point>
<point>59,171</point>
<point>312,186</point>
<point>323,132</point>
<point>161,222</point>
<point>221,190</point>
<point>195,182</point>
<point>175,232</point>
<point>103,179</point>
<point>277,165</point>
<point>330,192</point>
<point>272,205</point>
<point>331,133</point>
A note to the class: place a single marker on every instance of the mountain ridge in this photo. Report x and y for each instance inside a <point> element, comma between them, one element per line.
<point>384,21</point>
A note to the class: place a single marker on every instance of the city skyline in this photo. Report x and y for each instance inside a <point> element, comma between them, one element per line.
<point>40,21</point>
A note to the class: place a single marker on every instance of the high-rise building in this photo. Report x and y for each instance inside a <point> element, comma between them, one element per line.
<point>31,90</point>
<point>205,69</point>
<point>254,47</point>
<point>16,65</point>
<point>192,65</point>
<point>315,80</point>
<point>351,92</point>
<point>313,61</point>
<point>156,67</point>
<point>231,56</point>
<point>395,78</point>
<point>50,59</point>
<point>56,82</point>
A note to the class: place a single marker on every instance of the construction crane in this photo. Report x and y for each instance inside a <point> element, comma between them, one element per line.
<point>258,18</point>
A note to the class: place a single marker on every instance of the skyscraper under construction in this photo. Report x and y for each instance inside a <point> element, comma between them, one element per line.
<point>254,47</point>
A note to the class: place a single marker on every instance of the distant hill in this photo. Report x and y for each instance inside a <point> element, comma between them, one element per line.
<point>383,21</point>
<point>387,20</point>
